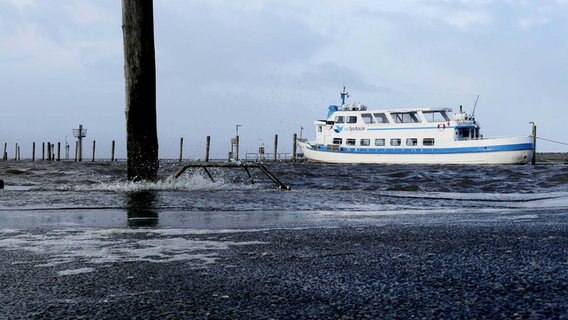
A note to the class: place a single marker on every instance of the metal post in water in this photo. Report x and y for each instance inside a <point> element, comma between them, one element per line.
<point>207,145</point>
<point>80,152</point>
<point>5,154</point>
<point>76,150</point>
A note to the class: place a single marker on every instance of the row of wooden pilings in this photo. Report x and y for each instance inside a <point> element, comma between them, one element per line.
<point>236,156</point>
<point>52,152</point>
<point>49,152</point>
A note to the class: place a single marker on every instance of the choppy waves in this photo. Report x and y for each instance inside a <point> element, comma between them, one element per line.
<point>315,187</point>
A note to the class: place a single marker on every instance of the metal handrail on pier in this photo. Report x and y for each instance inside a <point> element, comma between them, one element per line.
<point>204,165</point>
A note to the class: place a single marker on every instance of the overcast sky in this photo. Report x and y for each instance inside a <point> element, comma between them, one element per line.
<point>274,66</point>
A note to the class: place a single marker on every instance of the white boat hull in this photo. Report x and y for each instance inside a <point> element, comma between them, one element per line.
<point>515,150</point>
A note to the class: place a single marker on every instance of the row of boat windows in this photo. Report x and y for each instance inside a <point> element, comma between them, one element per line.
<point>398,117</point>
<point>380,142</point>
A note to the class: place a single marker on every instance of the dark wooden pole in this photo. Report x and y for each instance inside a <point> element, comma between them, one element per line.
<point>180,149</point>
<point>16,153</point>
<point>112,151</point>
<point>43,151</point>
<point>94,147</point>
<point>48,151</point>
<point>33,151</point>
<point>294,147</point>
<point>237,142</point>
<point>140,80</point>
<point>5,154</point>
<point>275,147</point>
<point>533,160</point>
<point>207,145</point>
<point>59,151</point>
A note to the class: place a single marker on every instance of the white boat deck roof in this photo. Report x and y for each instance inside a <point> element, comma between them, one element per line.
<point>391,110</point>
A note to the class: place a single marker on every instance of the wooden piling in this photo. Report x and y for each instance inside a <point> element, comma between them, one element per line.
<point>43,151</point>
<point>76,151</point>
<point>94,147</point>
<point>19,155</point>
<point>16,153</point>
<point>5,154</point>
<point>33,151</point>
<point>140,79</point>
<point>59,151</point>
<point>112,151</point>
<point>237,148</point>
<point>49,151</point>
<point>207,145</point>
<point>180,149</point>
<point>275,147</point>
<point>294,147</point>
<point>533,160</point>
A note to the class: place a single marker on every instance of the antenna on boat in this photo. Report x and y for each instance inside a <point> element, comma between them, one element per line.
<point>344,95</point>
<point>475,106</point>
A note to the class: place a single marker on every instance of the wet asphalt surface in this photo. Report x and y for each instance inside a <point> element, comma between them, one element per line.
<point>502,270</point>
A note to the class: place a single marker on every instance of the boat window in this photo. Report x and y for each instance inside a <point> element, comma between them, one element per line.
<point>352,119</point>
<point>405,117</point>
<point>436,116</point>
<point>337,141</point>
<point>381,118</point>
<point>350,142</point>
<point>339,119</point>
<point>367,118</point>
<point>380,142</point>
<point>395,142</point>
<point>464,133</point>
<point>411,142</point>
<point>428,142</point>
<point>365,142</point>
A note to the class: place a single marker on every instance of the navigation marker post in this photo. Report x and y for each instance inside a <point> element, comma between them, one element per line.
<point>80,134</point>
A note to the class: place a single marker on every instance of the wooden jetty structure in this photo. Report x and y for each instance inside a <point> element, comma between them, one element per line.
<point>245,165</point>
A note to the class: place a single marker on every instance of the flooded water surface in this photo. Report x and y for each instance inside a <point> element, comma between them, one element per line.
<point>347,241</point>
<point>45,194</point>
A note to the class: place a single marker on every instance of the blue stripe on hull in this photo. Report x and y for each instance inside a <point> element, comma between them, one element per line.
<point>411,150</point>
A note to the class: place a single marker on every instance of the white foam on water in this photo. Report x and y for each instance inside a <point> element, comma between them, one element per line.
<point>191,182</point>
<point>95,247</point>
<point>74,271</point>
<point>521,217</point>
<point>504,197</point>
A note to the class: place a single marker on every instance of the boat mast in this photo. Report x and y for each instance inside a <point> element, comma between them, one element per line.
<point>475,106</point>
<point>344,95</point>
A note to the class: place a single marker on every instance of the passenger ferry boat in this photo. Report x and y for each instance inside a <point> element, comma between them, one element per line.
<point>354,134</point>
